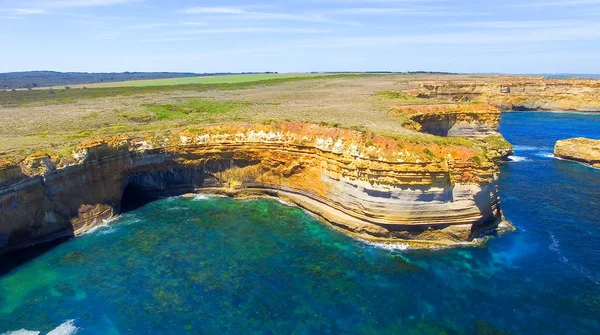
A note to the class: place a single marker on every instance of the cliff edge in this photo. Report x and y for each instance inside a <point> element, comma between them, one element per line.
<point>422,191</point>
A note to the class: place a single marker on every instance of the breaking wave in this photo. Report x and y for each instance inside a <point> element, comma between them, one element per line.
<point>66,328</point>
<point>545,154</point>
<point>517,158</point>
<point>527,148</point>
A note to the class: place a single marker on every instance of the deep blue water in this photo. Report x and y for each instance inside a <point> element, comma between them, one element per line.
<point>219,266</point>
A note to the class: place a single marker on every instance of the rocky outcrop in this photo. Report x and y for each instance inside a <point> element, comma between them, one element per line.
<point>581,150</point>
<point>518,93</point>
<point>396,191</point>
<point>465,120</point>
<point>477,121</point>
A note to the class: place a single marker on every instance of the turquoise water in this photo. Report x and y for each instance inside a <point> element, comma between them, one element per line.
<point>219,266</point>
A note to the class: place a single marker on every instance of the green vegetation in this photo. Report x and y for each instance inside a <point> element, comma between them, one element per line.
<point>401,98</point>
<point>228,79</point>
<point>497,142</point>
<point>192,107</point>
<point>33,79</point>
<point>394,95</point>
<point>56,120</point>
<point>422,138</point>
<point>55,96</point>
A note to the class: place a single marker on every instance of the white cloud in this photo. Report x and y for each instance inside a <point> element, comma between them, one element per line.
<point>516,24</point>
<point>145,26</point>
<point>418,11</point>
<point>214,10</point>
<point>244,14</point>
<point>29,11</point>
<point>193,23</point>
<point>44,6</point>
<point>590,32</point>
<point>252,30</point>
<point>89,3</point>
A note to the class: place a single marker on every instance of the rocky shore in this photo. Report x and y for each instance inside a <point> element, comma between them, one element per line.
<point>580,150</point>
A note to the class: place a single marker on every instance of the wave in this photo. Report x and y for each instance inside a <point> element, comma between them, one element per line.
<point>555,246</point>
<point>66,328</point>
<point>388,246</point>
<point>545,154</point>
<point>177,208</point>
<point>105,224</point>
<point>527,148</point>
<point>202,197</point>
<point>21,332</point>
<point>517,158</point>
<point>580,163</point>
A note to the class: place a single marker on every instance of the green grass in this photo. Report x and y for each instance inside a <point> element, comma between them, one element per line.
<point>401,98</point>
<point>192,107</point>
<point>55,96</point>
<point>497,142</point>
<point>224,79</point>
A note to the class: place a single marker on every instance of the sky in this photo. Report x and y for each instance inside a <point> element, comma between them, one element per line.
<point>468,36</point>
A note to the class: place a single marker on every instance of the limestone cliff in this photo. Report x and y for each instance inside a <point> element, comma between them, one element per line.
<point>478,121</point>
<point>423,194</point>
<point>518,93</point>
<point>581,150</point>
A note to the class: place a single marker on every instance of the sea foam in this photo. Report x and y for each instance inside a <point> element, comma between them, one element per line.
<point>517,158</point>
<point>66,328</point>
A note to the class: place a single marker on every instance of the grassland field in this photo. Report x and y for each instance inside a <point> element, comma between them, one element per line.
<point>221,79</point>
<point>55,121</point>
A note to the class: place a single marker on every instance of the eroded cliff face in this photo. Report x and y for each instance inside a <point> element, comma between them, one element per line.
<point>476,121</point>
<point>518,94</point>
<point>372,187</point>
<point>454,120</point>
<point>581,150</point>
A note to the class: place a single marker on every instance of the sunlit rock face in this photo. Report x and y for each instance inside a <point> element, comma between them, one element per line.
<point>519,93</point>
<point>372,187</point>
<point>454,120</point>
<point>581,150</point>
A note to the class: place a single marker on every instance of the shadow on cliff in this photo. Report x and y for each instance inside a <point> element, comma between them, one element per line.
<point>134,197</point>
<point>11,260</point>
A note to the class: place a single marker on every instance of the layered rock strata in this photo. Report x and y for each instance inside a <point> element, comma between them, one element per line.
<point>581,150</point>
<point>518,94</point>
<point>453,120</point>
<point>372,187</point>
<point>475,121</point>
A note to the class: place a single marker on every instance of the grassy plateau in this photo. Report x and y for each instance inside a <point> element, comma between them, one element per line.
<point>56,120</point>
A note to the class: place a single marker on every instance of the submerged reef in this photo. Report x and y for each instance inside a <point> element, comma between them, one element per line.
<point>422,190</point>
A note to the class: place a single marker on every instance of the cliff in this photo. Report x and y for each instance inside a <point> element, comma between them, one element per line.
<point>581,150</point>
<point>518,93</point>
<point>421,193</point>
<point>476,121</point>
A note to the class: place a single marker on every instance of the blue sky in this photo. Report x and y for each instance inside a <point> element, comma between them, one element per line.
<point>509,36</point>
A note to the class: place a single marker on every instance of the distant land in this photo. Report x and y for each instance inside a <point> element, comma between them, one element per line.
<point>33,79</point>
<point>572,75</point>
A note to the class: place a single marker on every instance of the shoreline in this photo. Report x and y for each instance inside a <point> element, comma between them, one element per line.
<point>336,219</point>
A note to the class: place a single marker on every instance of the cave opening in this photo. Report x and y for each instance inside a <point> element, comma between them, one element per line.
<point>134,197</point>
